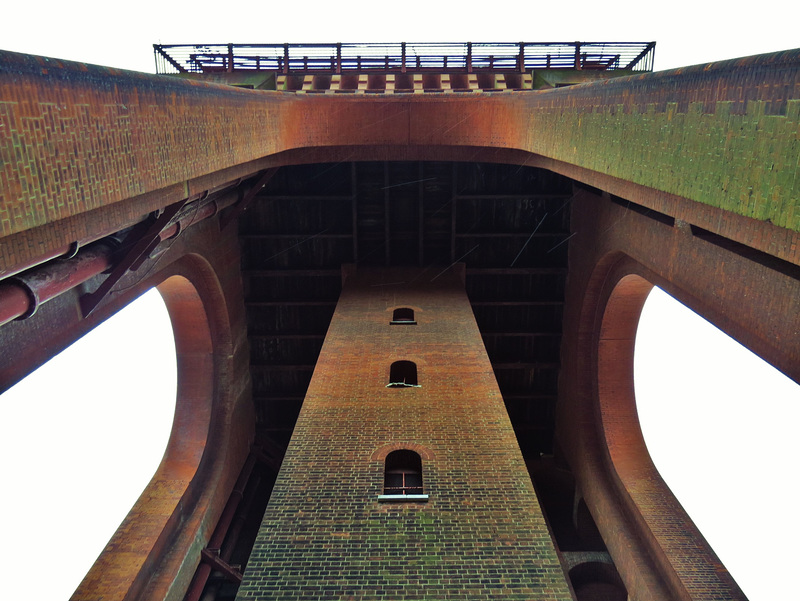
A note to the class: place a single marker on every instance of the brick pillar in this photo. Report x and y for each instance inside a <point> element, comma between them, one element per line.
<point>480,534</point>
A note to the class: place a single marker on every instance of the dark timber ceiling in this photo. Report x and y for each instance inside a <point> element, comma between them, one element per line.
<point>508,224</point>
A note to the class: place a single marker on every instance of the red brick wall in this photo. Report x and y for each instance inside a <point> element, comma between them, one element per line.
<point>154,553</point>
<point>615,254</point>
<point>480,535</point>
<point>78,138</point>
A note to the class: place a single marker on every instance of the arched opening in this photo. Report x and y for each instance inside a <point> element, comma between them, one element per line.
<point>597,581</point>
<point>720,425</point>
<point>403,316</point>
<point>90,428</point>
<point>164,517</point>
<point>403,374</point>
<point>403,473</point>
<point>570,522</point>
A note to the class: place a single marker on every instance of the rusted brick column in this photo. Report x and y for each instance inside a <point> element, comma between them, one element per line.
<point>480,533</point>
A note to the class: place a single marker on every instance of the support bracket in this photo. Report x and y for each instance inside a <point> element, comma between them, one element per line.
<point>212,558</point>
<point>133,257</point>
<point>233,214</point>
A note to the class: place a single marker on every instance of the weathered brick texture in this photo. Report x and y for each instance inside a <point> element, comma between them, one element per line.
<point>76,138</point>
<point>481,534</point>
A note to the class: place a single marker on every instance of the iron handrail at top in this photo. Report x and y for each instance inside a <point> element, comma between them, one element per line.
<point>402,57</point>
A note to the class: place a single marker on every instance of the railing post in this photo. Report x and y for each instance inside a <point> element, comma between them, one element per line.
<point>159,49</point>
<point>578,56</point>
<point>402,57</point>
<point>339,58</point>
<point>230,58</point>
<point>286,58</point>
<point>521,57</point>
<point>469,57</point>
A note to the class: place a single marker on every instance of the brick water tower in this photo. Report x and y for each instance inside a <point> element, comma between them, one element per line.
<point>404,281</point>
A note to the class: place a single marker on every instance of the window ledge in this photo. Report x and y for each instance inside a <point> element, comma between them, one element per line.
<point>402,498</point>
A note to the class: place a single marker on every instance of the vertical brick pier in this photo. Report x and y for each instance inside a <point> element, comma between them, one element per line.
<point>480,533</point>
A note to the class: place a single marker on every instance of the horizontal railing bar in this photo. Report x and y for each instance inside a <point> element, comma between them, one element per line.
<point>338,57</point>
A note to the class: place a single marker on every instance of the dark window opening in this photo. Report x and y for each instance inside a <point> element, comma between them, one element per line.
<point>403,316</point>
<point>403,474</point>
<point>403,374</point>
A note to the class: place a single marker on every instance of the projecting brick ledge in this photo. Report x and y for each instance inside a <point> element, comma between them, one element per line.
<point>75,137</point>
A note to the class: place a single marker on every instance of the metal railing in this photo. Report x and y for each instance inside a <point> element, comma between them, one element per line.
<point>403,57</point>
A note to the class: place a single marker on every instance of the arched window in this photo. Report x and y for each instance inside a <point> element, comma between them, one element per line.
<point>403,477</point>
<point>403,316</point>
<point>403,374</point>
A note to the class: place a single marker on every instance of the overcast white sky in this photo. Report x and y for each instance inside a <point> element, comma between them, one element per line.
<point>721,425</point>
<point>121,35</point>
<point>79,440</point>
<point>686,32</point>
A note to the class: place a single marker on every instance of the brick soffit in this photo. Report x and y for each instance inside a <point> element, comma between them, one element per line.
<point>77,137</point>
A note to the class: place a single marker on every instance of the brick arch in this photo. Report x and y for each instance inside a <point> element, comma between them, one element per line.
<point>401,356</point>
<point>416,308</point>
<point>380,453</point>
<point>166,520</point>
<point>653,512</point>
<point>596,578</point>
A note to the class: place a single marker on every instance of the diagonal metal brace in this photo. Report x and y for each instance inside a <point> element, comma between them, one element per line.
<point>212,558</point>
<point>236,210</point>
<point>140,249</point>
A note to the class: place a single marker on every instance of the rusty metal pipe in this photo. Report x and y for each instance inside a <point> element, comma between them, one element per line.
<point>204,569</point>
<point>14,301</point>
<point>19,267</point>
<point>44,283</point>
<point>232,537</point>
<point>204,211</point>
<point>21,295</point>
<point>198,582</point>
<point>237,494</point>
<point>226,552</point>
<point>208,208</point>
<point>64,252</point>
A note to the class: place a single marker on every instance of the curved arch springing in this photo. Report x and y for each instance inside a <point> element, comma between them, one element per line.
<point>669,531</point>
<point>152,516</point>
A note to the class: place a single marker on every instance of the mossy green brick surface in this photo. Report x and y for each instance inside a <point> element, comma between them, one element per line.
<point>726,151</point>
